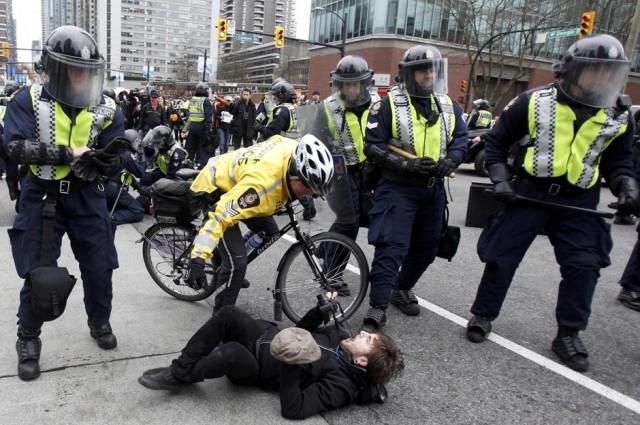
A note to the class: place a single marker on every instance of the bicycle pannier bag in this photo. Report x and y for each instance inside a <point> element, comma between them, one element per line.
<point>173,199</point>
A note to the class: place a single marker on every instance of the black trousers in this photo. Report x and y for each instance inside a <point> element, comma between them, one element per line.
<point>224,345</point>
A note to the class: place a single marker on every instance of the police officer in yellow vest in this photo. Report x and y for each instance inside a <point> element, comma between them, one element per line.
<point>407,216</point>
<point>166,153</point>
<point>199,127</point>
<point>572,133</point>
<point>283,119</point>
<point>255,182</point>
<point>48,127</point>
<point>340,122</point>
<point>481,116</point>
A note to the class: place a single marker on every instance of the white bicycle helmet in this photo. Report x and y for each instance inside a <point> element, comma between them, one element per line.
<point>314,165</point>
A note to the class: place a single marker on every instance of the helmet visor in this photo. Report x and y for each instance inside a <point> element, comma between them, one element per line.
<point>424,77</point>
<point>594,82</point>
<point>73,81</point>
<point>352,91</point>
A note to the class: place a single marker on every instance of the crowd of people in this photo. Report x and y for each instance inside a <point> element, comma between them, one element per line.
<point>397,150</point>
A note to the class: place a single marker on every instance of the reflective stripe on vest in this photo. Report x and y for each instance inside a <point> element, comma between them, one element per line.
<point>196,109</point>
<point>162,159</point>
<point>484,119</point>
<point>293,132</point>
<point>410,131</point>
<point>53,126</point>
<point>349,140</point>
<point>579,159</point>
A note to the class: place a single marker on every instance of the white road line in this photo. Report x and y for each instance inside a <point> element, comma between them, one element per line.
<point>578,378</point>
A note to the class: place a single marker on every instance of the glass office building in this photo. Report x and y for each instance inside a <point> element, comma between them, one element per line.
<point>451,21</point>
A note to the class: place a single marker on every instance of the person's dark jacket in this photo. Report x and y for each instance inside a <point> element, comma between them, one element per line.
<point>224,107</point>
<point>151,118</point>
<point>244,116</point>
<point>306,390</point>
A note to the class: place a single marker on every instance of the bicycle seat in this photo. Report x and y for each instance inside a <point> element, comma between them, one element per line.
<point>187,173</point>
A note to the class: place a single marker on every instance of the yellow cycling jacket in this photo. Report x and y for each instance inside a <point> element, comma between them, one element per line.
<point>252,182</point>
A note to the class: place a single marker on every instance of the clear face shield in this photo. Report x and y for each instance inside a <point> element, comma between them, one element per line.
<point>73,81</point>
<point>425,77</point>
<point>353,92</point>
<point>594,82</point>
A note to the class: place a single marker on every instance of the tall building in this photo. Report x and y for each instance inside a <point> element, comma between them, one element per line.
<point>7,35</point>
<point>252,58</point>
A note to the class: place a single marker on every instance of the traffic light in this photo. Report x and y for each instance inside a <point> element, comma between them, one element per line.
<point>463,86</point>
<point>279,38</point>
<point>586,27</point>
<point>222,29</point>
<point>5,49</point>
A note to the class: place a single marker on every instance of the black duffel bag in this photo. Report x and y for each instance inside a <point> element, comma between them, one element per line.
<point>174,199</point>
<point>450,239</point>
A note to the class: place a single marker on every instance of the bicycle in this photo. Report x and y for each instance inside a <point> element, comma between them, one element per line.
<point>314,264</point>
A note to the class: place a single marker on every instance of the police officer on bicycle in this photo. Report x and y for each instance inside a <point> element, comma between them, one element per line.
<point>254,183</point>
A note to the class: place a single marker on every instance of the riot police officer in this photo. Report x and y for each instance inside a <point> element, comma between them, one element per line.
<point>199,127</point>
<point>47,127</point>
<point>343,119</point>
<point>11,168</point>
<point>167,156</point>
<point>572,132</point>
<point>407,216</point>
<point>283,119</point>
<point>481,116</point>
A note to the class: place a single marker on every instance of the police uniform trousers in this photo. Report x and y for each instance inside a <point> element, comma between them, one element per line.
<point>82,215</point>
<point>631,277</point>
<point>233,255</point>
<point>406,228</point>
<point>581,243</point>
<point>127,210</point>
<point>197,142</point>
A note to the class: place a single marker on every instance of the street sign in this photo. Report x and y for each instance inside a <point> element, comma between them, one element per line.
<point>231,27</point>
<point>563,33</point>
<point>244,37</point>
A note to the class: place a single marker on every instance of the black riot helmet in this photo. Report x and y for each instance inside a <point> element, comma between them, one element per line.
<point>72,67</point>
<point>202,89</point>
<point>482,105</point>
<point>593,71</point>
<point>133,136</point>
<point>351,80</point>
<point>10,87</point>
<point>109,92</point>
<point>423,58</point>
<point>283,92</point>
<point>159,138</point>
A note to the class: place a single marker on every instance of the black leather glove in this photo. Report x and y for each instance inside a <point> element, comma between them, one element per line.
<point>257,127</point>
<point>421,166</point>
<point>628,195</point>
<point>501,178</point>
<point>107,164</point>
<point>196,277</point>
<point>445,166</point>
<point>14,188</point>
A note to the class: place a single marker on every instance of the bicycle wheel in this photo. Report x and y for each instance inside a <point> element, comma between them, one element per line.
<point>340,266</point>
<point>166,252</point>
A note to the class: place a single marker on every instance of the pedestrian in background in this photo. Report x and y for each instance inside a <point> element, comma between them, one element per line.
<point>244,117</point>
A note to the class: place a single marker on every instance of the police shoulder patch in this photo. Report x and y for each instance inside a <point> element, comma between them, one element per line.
<point>375,108</point>
<point>249,199</point>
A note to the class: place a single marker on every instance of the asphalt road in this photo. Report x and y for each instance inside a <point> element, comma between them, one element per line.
<point>512,378</point>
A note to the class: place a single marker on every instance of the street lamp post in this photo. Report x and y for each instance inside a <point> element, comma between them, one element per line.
<point>343,31</point>
<point>204,65</point>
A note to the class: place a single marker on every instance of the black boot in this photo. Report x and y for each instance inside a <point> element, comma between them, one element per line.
<point>28,347</point>
<point>103,335</point>
<point>569,347</point>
